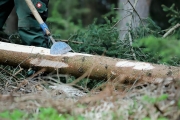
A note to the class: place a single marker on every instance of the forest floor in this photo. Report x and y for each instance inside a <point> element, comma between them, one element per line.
<point>137,102</point>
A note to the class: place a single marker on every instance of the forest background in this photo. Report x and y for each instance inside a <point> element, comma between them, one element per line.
<point>94,27</point>
<point>115,28</point>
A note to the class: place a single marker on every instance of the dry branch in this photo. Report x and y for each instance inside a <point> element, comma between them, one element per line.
<point>171,30</point>
<point>76,64</point>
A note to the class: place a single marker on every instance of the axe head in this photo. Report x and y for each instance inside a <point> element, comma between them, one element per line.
<point>60,48</point>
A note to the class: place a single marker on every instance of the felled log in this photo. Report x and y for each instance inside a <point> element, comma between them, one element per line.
<point>92,66</point>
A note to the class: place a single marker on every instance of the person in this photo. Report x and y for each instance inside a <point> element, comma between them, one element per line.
<point>29,29</point>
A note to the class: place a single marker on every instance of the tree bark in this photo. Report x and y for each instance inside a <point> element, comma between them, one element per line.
<point>95,67</point>
<point>131,15</point>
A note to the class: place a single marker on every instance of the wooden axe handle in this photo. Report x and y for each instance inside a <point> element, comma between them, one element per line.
<point>38,17</point>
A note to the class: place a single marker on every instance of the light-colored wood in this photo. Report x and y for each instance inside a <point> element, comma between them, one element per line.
<point>78,64</point>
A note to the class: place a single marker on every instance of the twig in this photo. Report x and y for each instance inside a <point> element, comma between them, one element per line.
<point>171,30</point>
<point>9,73</point>
<point>37,73</point>
<point>130,23</point>
<point>120,20</point>
<point>57,72</point>
<point>86,74</point>
<point>158,109</point>
<point>132,50</point>
<point>135,10</point>
<point>23,83</point>
<point>18,71</point>
<point>76,42</point>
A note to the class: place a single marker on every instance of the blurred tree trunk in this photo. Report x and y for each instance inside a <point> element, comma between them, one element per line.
<point>93,13</point>
<point>129,16</point>
<point>11,23</point>
<point>97,9</point>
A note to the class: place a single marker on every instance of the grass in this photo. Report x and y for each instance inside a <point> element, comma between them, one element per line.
<point>44,114</point>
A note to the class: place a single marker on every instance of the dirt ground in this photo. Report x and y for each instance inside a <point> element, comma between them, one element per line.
<point>134,102</point>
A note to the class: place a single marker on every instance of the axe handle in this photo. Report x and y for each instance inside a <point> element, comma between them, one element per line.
<point>38,17</point>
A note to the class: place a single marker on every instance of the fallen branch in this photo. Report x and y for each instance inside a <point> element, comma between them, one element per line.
<point>75,42</point>
<point>171,30</point>
<point>77,64</point>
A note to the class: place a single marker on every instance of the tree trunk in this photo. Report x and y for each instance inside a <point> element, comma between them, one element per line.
<point>77,64</point>
<point>129,16</point>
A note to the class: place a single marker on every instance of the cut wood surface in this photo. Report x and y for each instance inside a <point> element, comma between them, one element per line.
<point>78,64</point>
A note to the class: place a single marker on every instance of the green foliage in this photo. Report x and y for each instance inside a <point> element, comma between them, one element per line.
<point>15,115</point>
<point>44,114</point>
<point>174,15</point>
<point>155,99</point>
<point>146,118</point>
<point>149,45</point>
<point>174,18</point>
<point>161,118</point>
<point>49,113</point>
<point>62,20</point>
<point>97,39</point>
<point>139,33</point>
<point>160,50</point>
<point>142,31</point>
<point>178,103</point>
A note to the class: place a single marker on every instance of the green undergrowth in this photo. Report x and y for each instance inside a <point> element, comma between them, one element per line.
<point>44,114</point>
<point>97,39</point>
<point>160,50</point>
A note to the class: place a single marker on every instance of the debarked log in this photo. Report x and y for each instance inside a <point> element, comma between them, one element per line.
<point>76,64</point>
